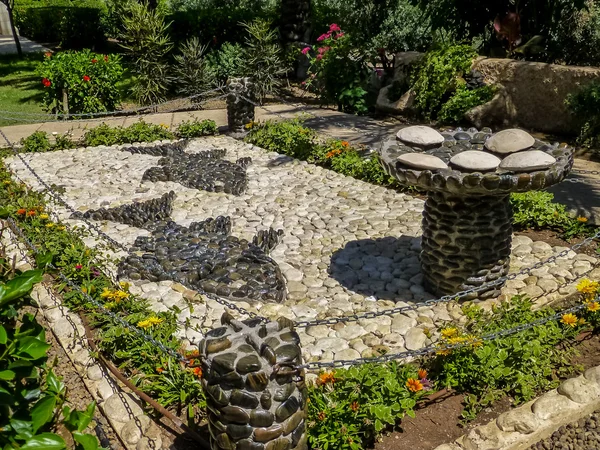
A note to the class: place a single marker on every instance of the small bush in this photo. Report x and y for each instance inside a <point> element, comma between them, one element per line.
<point>227,62</point>
<point>537,210</point>
<point>75,24</point>
<point>287,137</point>
<point>464,99</point>
<point>89,80</point>
<point>585,106</point>
<point>435,80</point>
<point>138,132</point>
<point>145,35</point>
<point>405,28</point>
<point>195,128</point>
<point>263,58</point>
<point>193,75</point>
<point>37,142</point>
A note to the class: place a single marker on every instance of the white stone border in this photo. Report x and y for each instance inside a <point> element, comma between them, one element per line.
<point>136,430</point>
<point>522,427</point>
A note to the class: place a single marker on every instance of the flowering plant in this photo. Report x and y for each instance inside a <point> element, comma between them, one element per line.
<point>80,82</point>
<point>349,408</point>
<point>338,72</point>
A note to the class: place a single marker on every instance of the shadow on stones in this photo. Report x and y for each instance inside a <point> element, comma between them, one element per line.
<point>280,160</point>
<point>387,268</point>
<point>581,199</point>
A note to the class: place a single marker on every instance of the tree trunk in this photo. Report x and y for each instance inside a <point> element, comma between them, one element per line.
<point>14,30</point>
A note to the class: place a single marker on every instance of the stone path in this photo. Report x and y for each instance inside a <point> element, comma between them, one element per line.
<point>8,46</point>
<point>348,247</point>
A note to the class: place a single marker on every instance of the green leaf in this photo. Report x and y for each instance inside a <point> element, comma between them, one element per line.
<point>43,259</point>
<point>3,335</point>
<point>19,286</point>
<point>55,385</point>
<point>22,428</point>
<point>4,214</point>
<point>45,441</point>
<point>7,375</point>
<point>32,346</point>
<point>86,441</point>
<point>42,412</point>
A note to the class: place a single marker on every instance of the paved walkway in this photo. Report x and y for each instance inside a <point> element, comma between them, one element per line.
<point>582,199</point>
<point>8,46</point>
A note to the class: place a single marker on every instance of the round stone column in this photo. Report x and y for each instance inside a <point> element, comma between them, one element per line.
<point>240,104</point>
<point>256,398</point>
<point>466,242</point>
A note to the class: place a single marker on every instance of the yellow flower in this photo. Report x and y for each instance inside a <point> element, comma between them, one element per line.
<point>474,340</point>
<point>593,306</point>
<point>456,340</point>
<point>164,125</point>
<point>106,293</point>
<point>62,228</point>
<point>120,295</point>
<point>44,216</point>
<point>414,385</point>
<point>449,332</point>
<point>582,219</point>
<point>7,182</point>
<point>569,319</point>
<point>49,225</point>
<point>582,321</point>
<point>144,324</point>
<point>155,320</point>
<point>586,286</point>
<point>124,284</point>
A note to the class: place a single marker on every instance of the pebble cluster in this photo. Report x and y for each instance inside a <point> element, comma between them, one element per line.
<point>581,435</point>
<point>141,215</point>
<point>205,255</point>
<point>255,400</point>
<point>164,149</point>
<point>349,246</point>
<point>202,171</point>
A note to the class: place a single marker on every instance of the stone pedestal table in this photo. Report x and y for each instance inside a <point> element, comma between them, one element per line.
<point>469,176</point>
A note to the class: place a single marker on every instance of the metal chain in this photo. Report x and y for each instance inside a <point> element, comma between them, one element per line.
<point>436,348</point>
<point>120,246</point>
<point>111,113</point>
<point>17,230</point>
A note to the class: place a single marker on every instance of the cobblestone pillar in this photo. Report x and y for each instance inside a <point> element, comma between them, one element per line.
<point>466,242</point>
<point>256,399</point>
<point>240,111</point>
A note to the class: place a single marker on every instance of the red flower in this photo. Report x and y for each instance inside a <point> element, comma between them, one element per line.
<point>48,54</point>
<point>46,82</point>
<point>198,372</point>
<point>334,27</point>
<point>94,61</point>
<point>105,58</point>
<point>78,267</point>
<point>86,78</point>
<point>21,211</point>
<point>31,213</point>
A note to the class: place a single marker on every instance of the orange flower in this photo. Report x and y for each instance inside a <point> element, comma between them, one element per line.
<point>160,369</point>
<point>21,211</point>
<point>321,415</point>
<point>31,213</point>
<point>326,377</point>
<point>422,374</point>
<point>345,144</point>
<point>193,353</point>
<point>198,372</point>
<point>354,406</point>
<point>414,385</point>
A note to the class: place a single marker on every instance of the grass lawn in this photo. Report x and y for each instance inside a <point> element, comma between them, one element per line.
<point>20,89</point>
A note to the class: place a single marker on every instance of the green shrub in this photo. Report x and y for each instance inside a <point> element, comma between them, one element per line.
<point>520,365</point>
<point>435,80</point>
<point>287,137</point>
<point>193,74</point>
<point>585,106</point>
<point>75,24</point>
<point>227,62</point>
<point>464,99</point>
<point>196,128</point>
<point>263,58</point>
<point>404,29</point>
<point>37,142</point>
<point>537,210</point>
<point>137,132</point>
<point>89,80</point>
<point>145,35</point>
<point>349,408</point>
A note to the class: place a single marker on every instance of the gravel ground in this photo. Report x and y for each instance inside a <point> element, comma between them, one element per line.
<point>581,435</point>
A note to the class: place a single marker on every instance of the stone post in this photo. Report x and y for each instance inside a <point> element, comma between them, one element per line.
<point>240,111</point>
<point>256,398</point>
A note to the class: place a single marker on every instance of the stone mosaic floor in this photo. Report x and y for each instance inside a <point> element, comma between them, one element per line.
<point>348,246</point>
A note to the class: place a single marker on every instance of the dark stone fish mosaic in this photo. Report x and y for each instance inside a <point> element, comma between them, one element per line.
<point>205,256</point>
<point>139,214</point>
